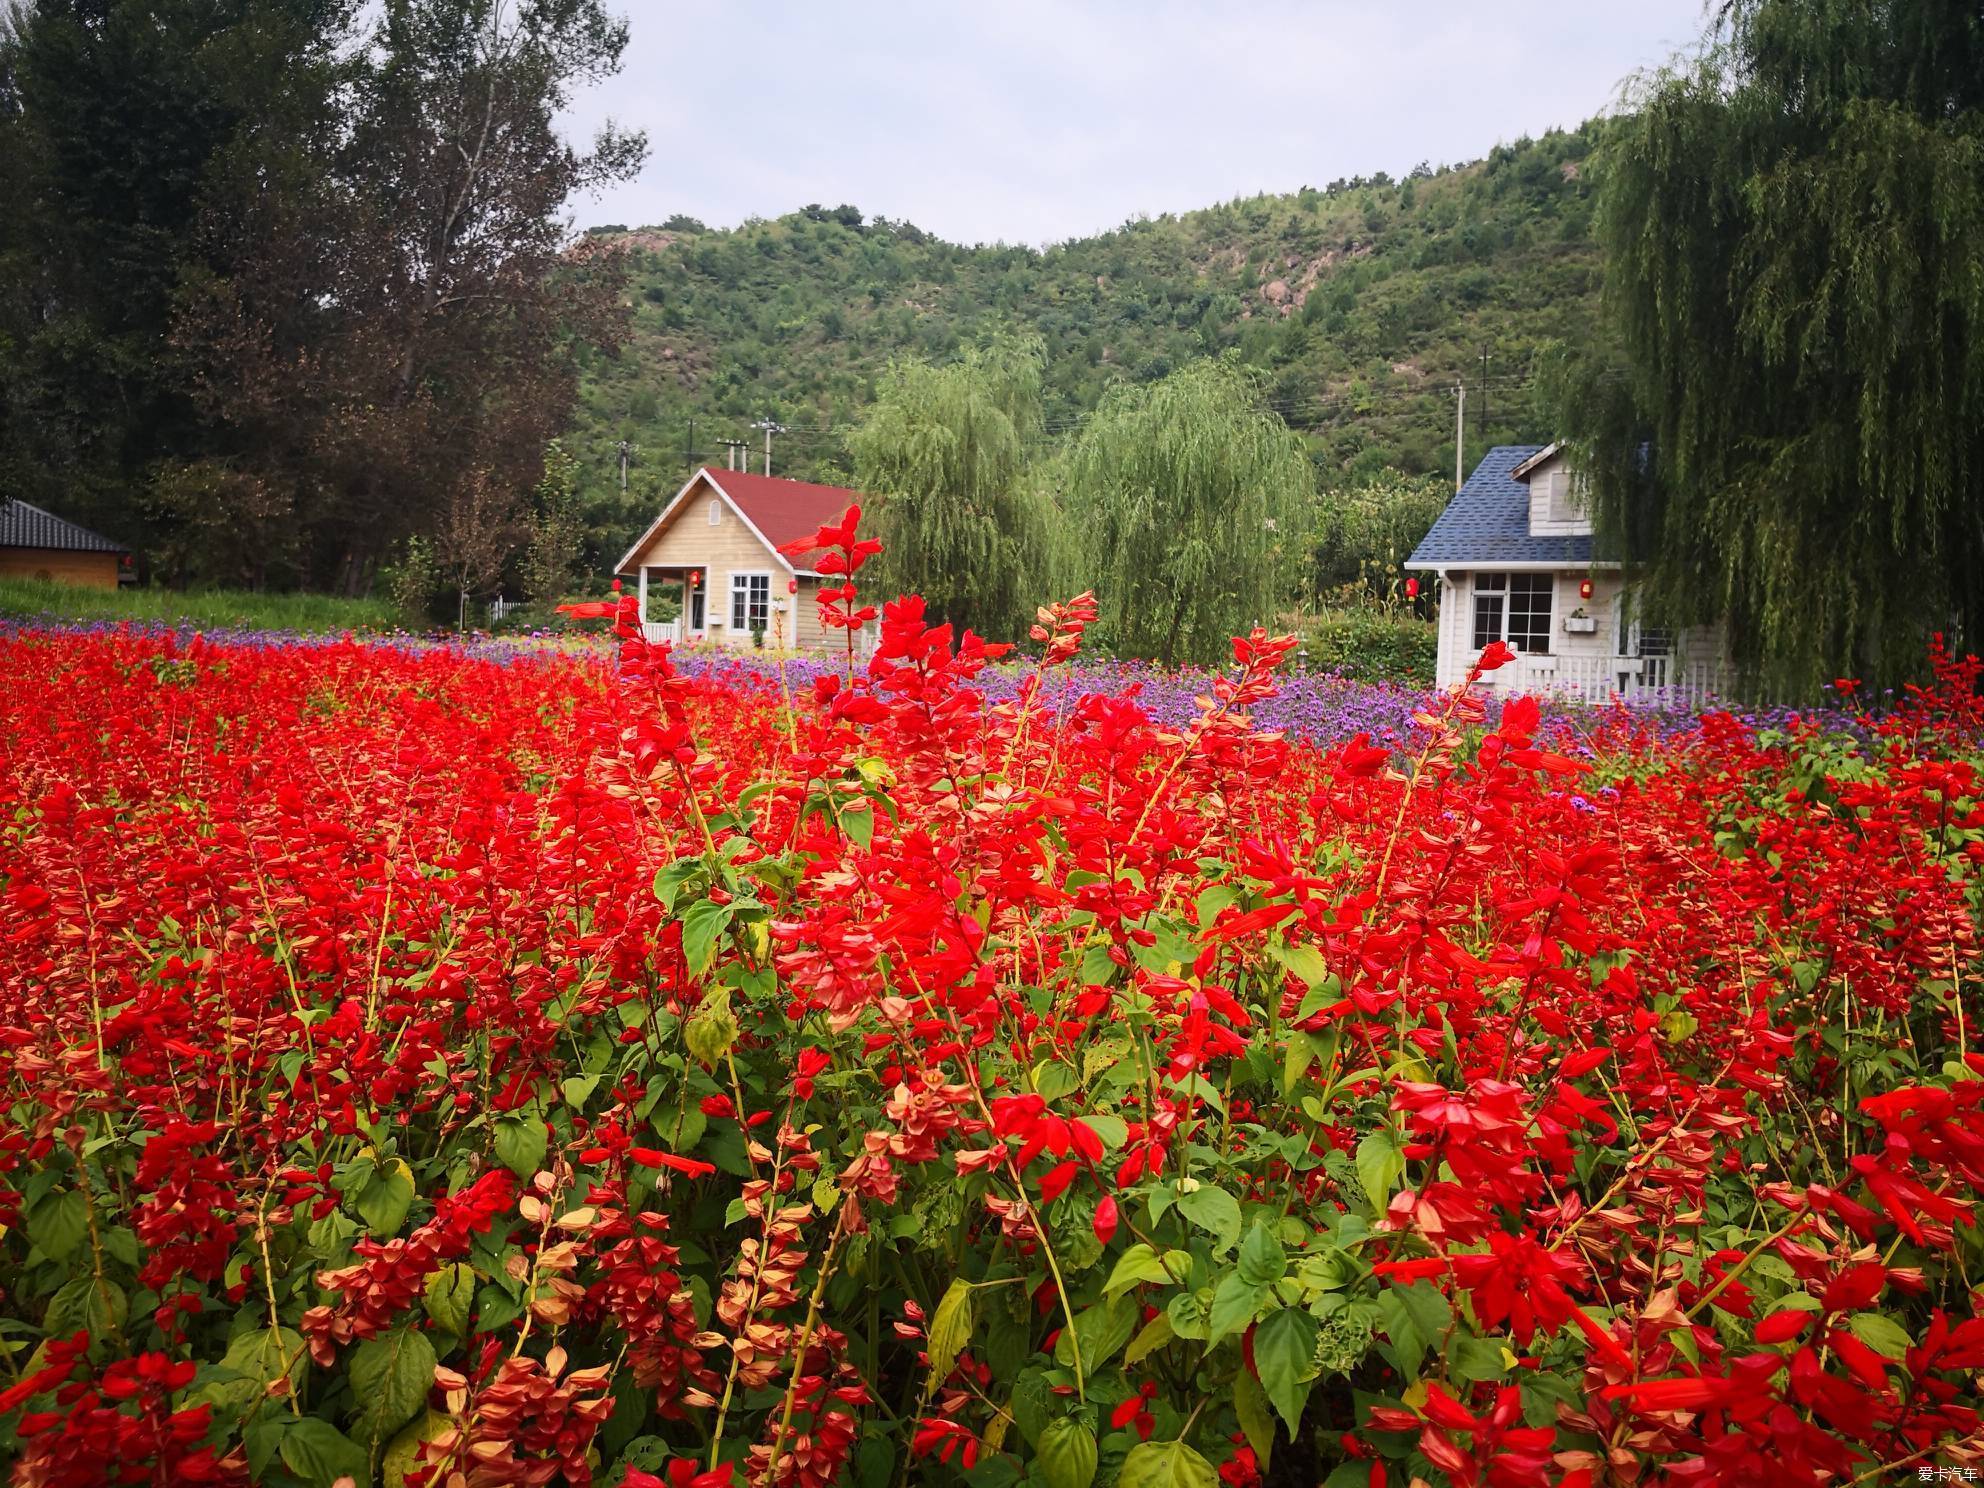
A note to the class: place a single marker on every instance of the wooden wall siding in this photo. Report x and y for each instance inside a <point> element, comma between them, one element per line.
<point>1554,509</point>
<point>59,565</point>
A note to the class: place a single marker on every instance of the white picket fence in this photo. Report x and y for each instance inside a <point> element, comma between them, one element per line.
<point>1675,680</point>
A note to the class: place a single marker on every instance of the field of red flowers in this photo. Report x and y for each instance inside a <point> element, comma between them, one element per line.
<point>420,1069</point>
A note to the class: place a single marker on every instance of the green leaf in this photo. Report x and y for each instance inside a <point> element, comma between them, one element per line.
<point>403,1451</point>
<point>702,923</point>
<point>1379,1163</point>
<point>449,1295</point>
<point>263,1356</point>
<point>1213,1210</point>
<point>521,1142</point>
<point>874,1463</point>
<point>1065,1455</point>
<point>1138,1264</point>
<point>1113,1130</point>
<point>1262,1260</point>
<point>711,1029</point>
<point>85,1302</point>
<point>384,1201</point>
<point>1166,1465</point>
<point>1033,1403</point>
<point>1234,1302</point>
<point>1477,1359</point>
<point>668,881</point>
<point>1413,1316</point>
<point>1285,1355</point>
<point>320,1454</point>
<point>58,1222</point>
<point>1319,996</point>
<point>1881,1333</point>
<point>857,819</point>
<point>950,1330</point>
<point>390,1377</point>
<point>1304,962</point>
<point>1301,1054</point>
<point>1250,1404</point>
<point>1155,1335</point>
<point>1101,1330</point>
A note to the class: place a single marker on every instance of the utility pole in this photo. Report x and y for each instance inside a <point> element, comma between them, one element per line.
<point>1484,391</point>
<point>1460,429</point>
<point>771,427</point>
<point>689,444</point>
<point>734,446</point>
<point>626,457</point>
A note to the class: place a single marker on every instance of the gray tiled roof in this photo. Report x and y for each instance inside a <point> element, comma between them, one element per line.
<point>1487,522</point>
<point>25,526</point>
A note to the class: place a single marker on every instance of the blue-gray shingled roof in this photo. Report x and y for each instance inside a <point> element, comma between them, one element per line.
<point>1487,522</point>
<point>26,526</point>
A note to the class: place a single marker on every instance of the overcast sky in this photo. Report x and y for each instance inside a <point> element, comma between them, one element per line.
<point>1037,120</point>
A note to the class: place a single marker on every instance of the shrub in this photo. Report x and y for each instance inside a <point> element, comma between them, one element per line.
<point>1373,644</point>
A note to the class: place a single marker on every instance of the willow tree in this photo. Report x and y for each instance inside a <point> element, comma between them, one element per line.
<point>963,522</point>
<point>1190,493</point>
<point>1793,437</point>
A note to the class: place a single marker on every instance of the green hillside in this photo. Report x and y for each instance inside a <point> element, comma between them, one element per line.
<point>1363,302</point>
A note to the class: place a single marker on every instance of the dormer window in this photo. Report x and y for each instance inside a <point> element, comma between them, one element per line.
<point>1564,502</point>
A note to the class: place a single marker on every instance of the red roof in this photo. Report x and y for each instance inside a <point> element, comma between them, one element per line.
<point>784,510</point>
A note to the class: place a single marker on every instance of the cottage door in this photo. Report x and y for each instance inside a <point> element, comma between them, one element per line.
<point>698,606</point>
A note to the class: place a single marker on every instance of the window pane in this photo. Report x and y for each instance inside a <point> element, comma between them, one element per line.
<point>1487,619</point>
<point>1530,602</point>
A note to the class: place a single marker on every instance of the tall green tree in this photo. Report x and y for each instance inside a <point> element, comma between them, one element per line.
<point>1792,433</point>
<point>122,125</point>
<point>401,346</point>
<point>1191,494</point>
<point>963,518</point>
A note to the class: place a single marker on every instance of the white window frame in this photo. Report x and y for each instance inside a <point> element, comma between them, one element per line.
<point>716,511</point>
<point>741,585</point>
<point>1499,585</point>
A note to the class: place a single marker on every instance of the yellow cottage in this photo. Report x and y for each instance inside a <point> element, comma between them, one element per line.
<point>716,547</point>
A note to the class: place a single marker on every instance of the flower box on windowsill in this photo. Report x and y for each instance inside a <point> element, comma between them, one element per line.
<point>1581,625</point>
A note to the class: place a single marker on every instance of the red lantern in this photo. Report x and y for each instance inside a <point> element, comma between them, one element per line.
<point>616,586</point>
<point>1584,589</point>
<point>695,578</point>
<point>1412,588</point>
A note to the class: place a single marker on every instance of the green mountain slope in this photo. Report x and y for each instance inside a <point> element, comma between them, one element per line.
<point>1362,302</point>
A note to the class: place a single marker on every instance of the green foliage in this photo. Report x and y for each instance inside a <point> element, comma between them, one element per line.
<point>961,519</point>
<point>246,323</point>
<point>1790,225</point>
<point>551,553</point>
<point>1360,303</point>
<point>414,583</point>
<point>1372,644</point>
<point>1187,491</point>
<point>206,609</point>
<point>1365,532</point>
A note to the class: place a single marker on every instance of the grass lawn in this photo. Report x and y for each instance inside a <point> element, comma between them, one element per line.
<point>210,609</point>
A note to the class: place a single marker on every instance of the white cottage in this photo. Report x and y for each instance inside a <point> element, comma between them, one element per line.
<point>1514,557</point>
